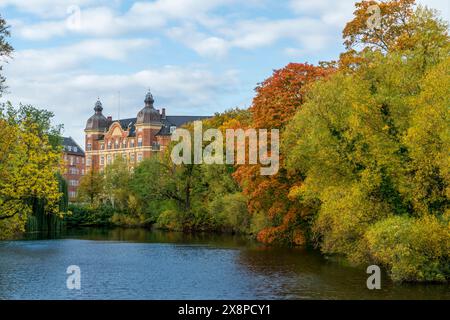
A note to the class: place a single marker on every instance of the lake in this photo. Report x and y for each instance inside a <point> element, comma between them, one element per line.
<point>145,264</point>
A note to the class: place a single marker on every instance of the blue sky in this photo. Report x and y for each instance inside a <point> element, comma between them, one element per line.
<point>197,56</point>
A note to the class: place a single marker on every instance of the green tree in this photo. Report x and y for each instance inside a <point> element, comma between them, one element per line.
<point>91,188</point>
<point>5,49</point>
<point>29,164</point>
<point>116,183</point>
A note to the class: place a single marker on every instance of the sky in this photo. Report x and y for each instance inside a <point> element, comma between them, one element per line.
<point>197,57</point>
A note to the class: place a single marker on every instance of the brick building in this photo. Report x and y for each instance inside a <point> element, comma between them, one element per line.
<point>74,165</point>
<point>134,139</point>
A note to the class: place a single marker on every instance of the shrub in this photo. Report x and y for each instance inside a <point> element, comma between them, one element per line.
<point>229,213</point>
<point>170,219</point>
<point>121,219</point>
<point>89,216</point>
<point>412,249</point>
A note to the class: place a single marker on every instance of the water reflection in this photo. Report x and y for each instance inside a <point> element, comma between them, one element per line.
<point>144,264</point>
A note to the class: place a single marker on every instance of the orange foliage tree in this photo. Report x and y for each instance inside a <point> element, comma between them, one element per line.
<point>276,102</point>
<point>377,25</point>
<point>393,24</point>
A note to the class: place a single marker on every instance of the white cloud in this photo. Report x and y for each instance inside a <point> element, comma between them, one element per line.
<point>51,8</point>
<point>106,21</point>
<point>203,44</point>
<point>63,59</point>
<point>308,33</point>
<point>70,91</point>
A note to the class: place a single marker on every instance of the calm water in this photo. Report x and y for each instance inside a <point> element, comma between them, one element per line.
<point>142,264</point>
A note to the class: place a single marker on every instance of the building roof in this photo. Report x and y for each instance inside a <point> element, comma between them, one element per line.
<point>177,121</point>
<point>71,147</point>
<point>167,122</point>
<point>128,123</point>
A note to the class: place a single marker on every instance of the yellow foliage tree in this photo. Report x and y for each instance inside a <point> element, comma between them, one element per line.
<point>28,167</point>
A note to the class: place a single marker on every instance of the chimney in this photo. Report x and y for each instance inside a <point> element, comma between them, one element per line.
<point>163,114</point>
<point>109,119</point>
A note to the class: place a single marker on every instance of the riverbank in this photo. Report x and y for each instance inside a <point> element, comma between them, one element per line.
<point>108,217</point>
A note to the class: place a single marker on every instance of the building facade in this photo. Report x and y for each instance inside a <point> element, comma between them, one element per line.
<point>73,165</point>
<point>133,139</point>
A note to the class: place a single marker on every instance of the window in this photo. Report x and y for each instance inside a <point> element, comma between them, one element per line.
<point>102,160</point>
<point>124,143</point>
<point>72,194</point>
<point>71,160</point>
<point>124,156</point>
<point>75,149</point>
<point>140,142</point>
<point>65,157</point>
<point>89,146</point>
<point>102,146</point>
<point>69,148</point>
<point>108,159</point>
<point>78,160</point>
<point>116,144</point>
<point>172,129</point>
<point>82,160</point>
<point>132,143</point>
<point>132,157</point>
<point>109,144</point>
<point>139,157</point>
<point>73,183</point>
<point>89,161</point>
<point>82,172</point>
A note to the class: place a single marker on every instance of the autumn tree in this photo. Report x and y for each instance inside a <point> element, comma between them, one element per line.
<point>379,24</point>
<point>116,183</point>
<point>373,146</point>
<point>277,100</point>
<point>389,26</point>
<point>91,188</point>
<point>29,165</point>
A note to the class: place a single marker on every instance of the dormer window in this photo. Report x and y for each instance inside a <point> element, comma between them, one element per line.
<point>75,149</point>
<point>172,129</point>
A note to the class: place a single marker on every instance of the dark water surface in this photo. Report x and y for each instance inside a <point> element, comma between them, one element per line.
<point>143,264</point>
